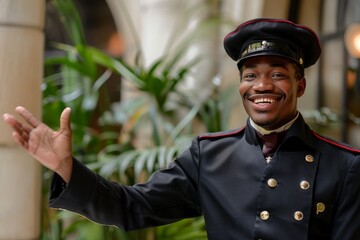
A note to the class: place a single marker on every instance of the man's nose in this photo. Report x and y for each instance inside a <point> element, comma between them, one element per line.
<point>263,83</point>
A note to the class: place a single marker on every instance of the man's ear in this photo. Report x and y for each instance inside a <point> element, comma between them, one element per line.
<point>301,86</point>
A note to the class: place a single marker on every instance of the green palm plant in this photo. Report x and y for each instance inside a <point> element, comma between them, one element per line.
<point>76,79</point>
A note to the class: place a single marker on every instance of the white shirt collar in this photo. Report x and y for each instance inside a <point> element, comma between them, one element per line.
<point>263,131</point>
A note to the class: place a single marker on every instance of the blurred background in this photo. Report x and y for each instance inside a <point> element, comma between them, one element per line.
<point>143,77</point>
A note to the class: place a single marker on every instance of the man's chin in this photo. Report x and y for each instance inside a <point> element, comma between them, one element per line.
<point>265,122</point>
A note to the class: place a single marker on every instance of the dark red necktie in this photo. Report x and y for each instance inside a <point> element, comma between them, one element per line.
<point>270,142</point>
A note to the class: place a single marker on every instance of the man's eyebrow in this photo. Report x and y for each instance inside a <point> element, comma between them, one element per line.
<point>282,65</point>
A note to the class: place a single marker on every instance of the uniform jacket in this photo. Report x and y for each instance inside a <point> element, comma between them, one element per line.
<point>309,191</point>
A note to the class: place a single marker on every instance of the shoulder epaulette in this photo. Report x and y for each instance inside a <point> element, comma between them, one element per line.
<point>221,134</point>
<point>335,143</point>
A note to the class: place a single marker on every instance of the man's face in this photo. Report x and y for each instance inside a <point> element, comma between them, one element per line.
<point>269,90</point>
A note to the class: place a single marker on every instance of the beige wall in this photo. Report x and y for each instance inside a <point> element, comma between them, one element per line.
<point>21,64</point>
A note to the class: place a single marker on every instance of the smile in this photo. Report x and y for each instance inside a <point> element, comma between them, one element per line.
<point>264,100</point>
<point>260,99</point>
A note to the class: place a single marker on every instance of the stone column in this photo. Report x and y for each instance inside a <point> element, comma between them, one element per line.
<point>21,69</point>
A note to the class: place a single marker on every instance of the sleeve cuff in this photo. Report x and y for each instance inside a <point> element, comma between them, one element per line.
<point>77,193</point>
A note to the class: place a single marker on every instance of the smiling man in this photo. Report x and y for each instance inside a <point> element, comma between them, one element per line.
<point>269,89</point>
<point>274,179</point>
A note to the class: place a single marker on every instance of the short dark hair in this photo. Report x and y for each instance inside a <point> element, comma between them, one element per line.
<point>299,71</point>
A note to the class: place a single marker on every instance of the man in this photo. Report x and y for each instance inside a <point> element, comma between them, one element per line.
<point>273,179</point>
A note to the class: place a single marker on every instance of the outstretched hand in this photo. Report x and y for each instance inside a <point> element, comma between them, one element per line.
<point>51,148</point>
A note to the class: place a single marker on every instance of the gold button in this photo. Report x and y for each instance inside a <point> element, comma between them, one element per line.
<point>298,216</point>
<point>272,183</point>
<point>320,207</point>
<point>264,215</point>
<point>309,158</point>
<point>304,185</point>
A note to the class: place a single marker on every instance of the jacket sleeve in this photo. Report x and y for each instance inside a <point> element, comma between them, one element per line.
<point>346,224</point>
<point>168,196</point>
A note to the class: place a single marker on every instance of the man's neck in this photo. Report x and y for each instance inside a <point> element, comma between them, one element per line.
<point>264,131</point>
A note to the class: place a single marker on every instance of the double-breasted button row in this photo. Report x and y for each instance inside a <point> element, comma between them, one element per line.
<point>271,182</point>
<point>265,215</point>
<point>304,185</point>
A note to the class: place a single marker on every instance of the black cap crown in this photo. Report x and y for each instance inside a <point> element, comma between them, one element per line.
<point>276,37</point>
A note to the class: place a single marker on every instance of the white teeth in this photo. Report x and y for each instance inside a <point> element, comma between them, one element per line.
<point>264,100</point>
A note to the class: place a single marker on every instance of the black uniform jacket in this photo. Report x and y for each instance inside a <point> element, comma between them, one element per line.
<point>309,190</point>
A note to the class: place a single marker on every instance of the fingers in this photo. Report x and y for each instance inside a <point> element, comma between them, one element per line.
<point>21,140</point>
<point>33,121</point>
<point>20,134</point>
<point>16,125</point>
<point>9,119</point>
<point>65,119</point>
<point>23,131</point>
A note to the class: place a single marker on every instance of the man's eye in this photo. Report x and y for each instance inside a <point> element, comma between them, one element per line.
<point>278,76</point>
<point>249,77</point>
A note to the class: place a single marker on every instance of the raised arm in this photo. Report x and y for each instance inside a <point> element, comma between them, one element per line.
<point>51,148</point>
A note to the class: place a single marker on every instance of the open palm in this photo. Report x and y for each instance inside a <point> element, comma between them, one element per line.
<point>51,148</point>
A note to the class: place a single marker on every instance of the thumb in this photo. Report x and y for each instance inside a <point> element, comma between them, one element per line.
<point>65,120</point>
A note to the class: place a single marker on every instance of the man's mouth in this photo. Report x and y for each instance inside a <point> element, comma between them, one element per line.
<point>264,100</point>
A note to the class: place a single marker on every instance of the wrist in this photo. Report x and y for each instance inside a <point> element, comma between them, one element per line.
<point>66,171</point>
